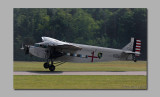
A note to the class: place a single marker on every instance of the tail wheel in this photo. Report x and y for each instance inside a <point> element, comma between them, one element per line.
<point>52,68</point>
<point>134,58</point>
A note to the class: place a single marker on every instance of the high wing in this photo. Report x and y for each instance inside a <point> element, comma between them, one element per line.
<point>58,44</point>
<point>55,50</point>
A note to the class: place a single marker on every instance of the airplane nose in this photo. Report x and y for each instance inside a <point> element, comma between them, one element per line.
<point>26,49</point>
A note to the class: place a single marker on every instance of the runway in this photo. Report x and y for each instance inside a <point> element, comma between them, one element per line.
<point>80,73</point>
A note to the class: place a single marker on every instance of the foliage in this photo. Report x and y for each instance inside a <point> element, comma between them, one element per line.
<point>107,27</point>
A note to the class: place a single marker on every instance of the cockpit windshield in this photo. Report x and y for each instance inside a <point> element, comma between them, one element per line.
<point>36,45</point>
<point>40,45</point>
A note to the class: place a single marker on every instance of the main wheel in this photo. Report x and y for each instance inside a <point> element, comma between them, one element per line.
<point>52,68</point>
<point>135,60</point>
<point>45,65</point>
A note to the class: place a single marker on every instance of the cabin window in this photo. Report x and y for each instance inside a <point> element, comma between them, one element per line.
<point>44,46</point>
<point>36,45</point>
<point>40,45</point>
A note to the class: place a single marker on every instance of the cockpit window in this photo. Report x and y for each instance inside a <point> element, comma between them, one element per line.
<point>36,45</point>
<point>44,46</point>
<point>40,45</point>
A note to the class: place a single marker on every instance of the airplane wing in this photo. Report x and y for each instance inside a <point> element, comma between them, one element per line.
<point>50,42</point>
<point>69,46</point>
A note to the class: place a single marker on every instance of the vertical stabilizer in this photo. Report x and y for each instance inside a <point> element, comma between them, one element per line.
<point>129,46</point>
<point>135,47</point>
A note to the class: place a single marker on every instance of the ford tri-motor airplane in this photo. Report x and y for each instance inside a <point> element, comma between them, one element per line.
<point>55,50</point>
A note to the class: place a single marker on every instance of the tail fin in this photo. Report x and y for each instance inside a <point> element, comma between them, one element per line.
<point>134,46</point>
<point>129,46</point>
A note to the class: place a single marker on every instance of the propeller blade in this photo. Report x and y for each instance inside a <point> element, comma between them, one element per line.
<point>25,48</point>
<point>22,48</point>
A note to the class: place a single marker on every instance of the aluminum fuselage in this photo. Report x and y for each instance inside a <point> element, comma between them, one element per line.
<point>108,54</point>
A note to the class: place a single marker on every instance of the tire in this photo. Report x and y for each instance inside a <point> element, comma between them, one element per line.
<point>52,68</point>
<point>46,65</point>
<point>135,60</point>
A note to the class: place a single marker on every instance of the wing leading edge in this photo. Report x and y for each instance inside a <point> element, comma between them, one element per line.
<point>58,44</point>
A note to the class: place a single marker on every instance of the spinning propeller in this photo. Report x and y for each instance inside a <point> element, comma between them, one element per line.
<point>25,48</point>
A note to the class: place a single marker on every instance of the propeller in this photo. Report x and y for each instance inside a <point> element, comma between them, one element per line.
<point>22,48</point>
<point>25,48</point>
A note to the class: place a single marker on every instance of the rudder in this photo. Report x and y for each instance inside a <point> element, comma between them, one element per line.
<point>137,47</point>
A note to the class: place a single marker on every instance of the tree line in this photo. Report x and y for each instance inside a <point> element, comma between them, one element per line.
<point>106,27</point>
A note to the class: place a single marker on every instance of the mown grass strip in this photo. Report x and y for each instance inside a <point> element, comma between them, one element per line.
<point>79,82</point>
<point>99,66</point>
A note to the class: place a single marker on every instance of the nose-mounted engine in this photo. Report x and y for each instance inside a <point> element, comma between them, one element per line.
<point>25,48</point>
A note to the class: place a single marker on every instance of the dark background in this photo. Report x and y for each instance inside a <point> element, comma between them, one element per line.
<point>106,27</point>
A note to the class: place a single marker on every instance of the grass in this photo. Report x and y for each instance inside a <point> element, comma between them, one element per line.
<point>99,66</point>
<point>79,82</point>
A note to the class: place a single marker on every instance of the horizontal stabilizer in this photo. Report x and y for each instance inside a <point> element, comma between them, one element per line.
<point>130,52</point>
<point>134,47</point>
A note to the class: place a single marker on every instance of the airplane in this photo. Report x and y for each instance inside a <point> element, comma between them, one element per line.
<point>55,50</point>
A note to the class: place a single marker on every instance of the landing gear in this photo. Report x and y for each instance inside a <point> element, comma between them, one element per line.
<point>134,58</point>
<point>52,68</point>
<point>48,65</point>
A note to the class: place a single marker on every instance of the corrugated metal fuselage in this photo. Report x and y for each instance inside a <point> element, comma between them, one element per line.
<point>86,54</point>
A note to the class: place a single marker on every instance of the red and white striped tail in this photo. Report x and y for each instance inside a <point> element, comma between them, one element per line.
<point>138,47</point>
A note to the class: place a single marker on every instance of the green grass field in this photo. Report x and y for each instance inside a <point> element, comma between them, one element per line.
<point>79,82</point>
<point>99,66</point>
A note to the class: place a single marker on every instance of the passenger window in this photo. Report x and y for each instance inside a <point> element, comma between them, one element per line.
<point>36,45</point>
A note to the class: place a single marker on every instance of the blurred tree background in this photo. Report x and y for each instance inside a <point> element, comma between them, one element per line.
<point>106,27</point>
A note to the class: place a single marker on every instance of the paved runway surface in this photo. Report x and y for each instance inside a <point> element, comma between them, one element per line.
<point>80,73</point>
